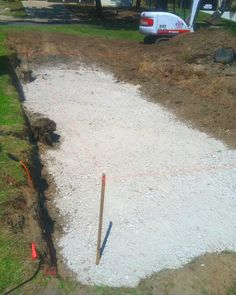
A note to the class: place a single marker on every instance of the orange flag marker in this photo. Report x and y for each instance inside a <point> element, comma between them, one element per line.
<point>34,253</point>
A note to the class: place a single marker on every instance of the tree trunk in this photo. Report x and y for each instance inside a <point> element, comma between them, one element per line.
<point>162,5</point>
<point>98,7</point>
<point>138,4</point>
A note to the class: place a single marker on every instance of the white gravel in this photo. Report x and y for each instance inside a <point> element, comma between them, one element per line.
<point>171,190</point>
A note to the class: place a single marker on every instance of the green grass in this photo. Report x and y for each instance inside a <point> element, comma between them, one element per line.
<point>2,47</point>
<point>231,290</point>
<point>11,123</point>
<point>95,31</point>
<point>12,176</point>
<point>82,30</point>
<point>70,287</point>
<point>14,8</point>
<point>11,118</point>
<point>12,260</point>
<point>228,25</point>
<point>13,247</point>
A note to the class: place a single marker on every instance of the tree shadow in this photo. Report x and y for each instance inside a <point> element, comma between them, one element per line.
<point>112,17</point>
<point>55,137</point>
<point>106,238</point>
<point>55,11</point>
<point>45,221</point>
<point>4,68</point>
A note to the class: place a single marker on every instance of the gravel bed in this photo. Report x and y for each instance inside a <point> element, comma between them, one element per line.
<point>171,190</point>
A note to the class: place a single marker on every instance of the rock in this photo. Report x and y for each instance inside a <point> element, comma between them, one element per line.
<point>224,55</point>
<point>43,129</point>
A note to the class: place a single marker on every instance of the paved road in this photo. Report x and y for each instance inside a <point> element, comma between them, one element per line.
<point>47,10</point>
<point>40,12</point>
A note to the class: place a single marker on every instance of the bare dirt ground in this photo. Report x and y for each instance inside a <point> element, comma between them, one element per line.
<point>182,76</point>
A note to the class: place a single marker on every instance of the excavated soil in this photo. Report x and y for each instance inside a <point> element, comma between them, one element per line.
<point>181,75</point>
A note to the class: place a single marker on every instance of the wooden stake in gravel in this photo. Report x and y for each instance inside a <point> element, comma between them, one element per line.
<point>101,219</point>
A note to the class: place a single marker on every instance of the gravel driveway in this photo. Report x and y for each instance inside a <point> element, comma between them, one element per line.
<point>171,190</point>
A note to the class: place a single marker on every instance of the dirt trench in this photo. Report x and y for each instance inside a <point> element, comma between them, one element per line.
<point>47,252</point>
<point>27,213</point>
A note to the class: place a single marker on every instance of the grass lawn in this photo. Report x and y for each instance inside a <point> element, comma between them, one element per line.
<point>10,111</point>
<point>228,25</point>
<point>12,260</point>
<point>11,123</point>
<point>82,30</point>
<point>13,247</point>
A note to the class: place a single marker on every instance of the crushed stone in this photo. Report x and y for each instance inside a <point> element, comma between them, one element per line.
<point>171,190</point>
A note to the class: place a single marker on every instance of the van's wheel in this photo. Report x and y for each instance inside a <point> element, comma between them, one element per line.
<point>150,39</point>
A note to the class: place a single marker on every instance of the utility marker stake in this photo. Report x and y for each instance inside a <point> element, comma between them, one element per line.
<point>101,219</point>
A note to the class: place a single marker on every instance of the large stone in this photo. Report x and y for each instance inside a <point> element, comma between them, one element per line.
<point>224,55</point>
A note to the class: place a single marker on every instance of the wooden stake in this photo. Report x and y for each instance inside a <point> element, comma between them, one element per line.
<point>100,219</point>
<point>27,58</point>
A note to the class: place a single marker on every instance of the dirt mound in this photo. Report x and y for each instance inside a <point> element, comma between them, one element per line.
<point>42,128</point>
